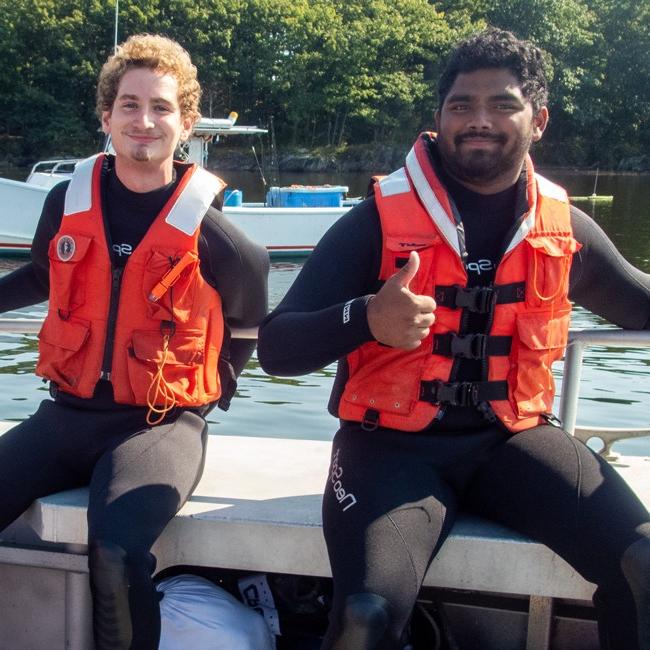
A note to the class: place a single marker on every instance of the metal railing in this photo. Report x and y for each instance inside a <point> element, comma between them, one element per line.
<point>578,341</point>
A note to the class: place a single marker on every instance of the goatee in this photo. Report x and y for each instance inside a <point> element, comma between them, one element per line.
<point>141,154</point>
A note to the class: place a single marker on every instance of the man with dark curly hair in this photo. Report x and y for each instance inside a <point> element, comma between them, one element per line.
<point>445,299</point>
<point>145,280</point>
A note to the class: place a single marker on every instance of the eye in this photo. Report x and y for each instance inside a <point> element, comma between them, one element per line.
<point>162,108</point>
<point>505,106</point>
<point>459,108</point>
<point>129,105</point>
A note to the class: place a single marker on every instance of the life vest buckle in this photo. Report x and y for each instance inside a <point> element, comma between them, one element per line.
<point>370,420</point>
<point>462,393</point>
<point>472,346</point>
<point>477,299</point>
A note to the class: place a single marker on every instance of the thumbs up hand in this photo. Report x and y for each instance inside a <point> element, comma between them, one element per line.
<point>398,317</point>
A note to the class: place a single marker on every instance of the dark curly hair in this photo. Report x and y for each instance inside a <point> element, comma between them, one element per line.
<point>498,48</point>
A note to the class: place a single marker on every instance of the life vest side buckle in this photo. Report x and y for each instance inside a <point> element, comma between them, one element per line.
<point>370,420</point>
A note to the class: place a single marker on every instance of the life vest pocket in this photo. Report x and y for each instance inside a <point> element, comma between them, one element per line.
<point>62,350</point>
<point>539,341</point>
<point>69,271</point>
<point>548,269</point>
<point>180,364</point>
<point>174,294</point>
<point>384,378</point>
<point>396,254</point>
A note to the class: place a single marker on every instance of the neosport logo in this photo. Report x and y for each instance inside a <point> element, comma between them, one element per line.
<point>480,266</point>
<point>122,249</point>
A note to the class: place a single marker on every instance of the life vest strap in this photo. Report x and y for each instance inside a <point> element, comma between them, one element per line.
<point>462,393</point>
<point>471,346</point>
<point>479,299</point>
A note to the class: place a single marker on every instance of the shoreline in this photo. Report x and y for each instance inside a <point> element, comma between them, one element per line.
<point>369,158</point>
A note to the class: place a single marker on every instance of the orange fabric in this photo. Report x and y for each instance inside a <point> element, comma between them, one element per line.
<point>74,335</point>
<point>388,380</point>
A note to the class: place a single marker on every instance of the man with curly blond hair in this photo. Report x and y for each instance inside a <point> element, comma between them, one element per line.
<point>145,279</point>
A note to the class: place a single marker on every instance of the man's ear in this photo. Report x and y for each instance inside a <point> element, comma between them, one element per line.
<point>106,122</point>
<point>436,118</point>
<point>539,123</point>
<point>188,125</point>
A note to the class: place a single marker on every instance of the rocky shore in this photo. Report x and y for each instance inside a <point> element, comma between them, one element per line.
<point>373,158</point>
<point>366,158</point>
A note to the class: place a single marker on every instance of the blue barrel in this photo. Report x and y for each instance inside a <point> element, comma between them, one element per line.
<point>232,198</point>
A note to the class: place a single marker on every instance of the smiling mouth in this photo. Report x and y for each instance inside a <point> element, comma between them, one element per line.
<point>479,139</point>
<point>143,139</point>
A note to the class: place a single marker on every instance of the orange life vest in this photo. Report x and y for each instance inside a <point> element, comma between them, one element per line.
<point>528,304</point>
<point>155,332</point>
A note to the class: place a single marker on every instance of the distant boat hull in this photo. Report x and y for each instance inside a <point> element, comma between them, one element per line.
<point>285,232</point>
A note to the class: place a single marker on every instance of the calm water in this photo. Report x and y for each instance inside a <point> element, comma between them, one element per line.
<point>615,386</point>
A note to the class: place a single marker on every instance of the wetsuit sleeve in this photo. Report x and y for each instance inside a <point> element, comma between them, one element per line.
<point>323,315</point>
<point>29,284</point>
<point>603,282</point>
<point>238,269</point>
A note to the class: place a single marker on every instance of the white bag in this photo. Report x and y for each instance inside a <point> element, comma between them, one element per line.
<point>198,615</point>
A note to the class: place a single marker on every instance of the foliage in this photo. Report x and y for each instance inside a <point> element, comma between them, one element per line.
<point>330,72</point>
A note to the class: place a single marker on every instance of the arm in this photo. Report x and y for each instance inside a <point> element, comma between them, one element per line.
<point>323,315</point>
<point>30,283</point>
<point>237,268</point>
<point>603,282</point>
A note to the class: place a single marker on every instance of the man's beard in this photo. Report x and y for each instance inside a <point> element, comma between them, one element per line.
<point>141,153</point>
<point>482,166</point>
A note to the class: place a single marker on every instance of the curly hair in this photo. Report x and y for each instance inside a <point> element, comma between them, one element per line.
<point>498,48</point>
<point>156,53</point>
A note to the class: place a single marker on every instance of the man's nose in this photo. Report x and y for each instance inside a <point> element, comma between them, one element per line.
<point>480,118</point>
<point>144,118</point>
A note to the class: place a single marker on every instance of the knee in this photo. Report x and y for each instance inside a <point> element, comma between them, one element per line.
<point>365,622</point>
<point>635,565</point>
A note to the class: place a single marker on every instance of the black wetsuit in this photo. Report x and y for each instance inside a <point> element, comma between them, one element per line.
<point>139,476</point>
<point>391,496</point>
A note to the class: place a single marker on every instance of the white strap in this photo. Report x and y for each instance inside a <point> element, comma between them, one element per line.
<point>79,195</point>
<point>192,204</point>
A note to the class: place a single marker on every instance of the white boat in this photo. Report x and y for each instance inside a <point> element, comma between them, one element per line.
<point>288,227</point>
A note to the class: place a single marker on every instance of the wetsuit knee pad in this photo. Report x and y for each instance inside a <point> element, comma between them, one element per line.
<point>635,564</point>
<point>365,621</point>
<point>109,582</point>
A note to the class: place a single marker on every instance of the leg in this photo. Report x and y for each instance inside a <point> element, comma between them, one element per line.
<point>548,485</point>
<point>136,488</point>
<point>44,454</point>
<point>385,513</point>
<point>636,568</point>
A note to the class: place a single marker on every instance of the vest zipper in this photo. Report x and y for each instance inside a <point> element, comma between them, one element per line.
<point>107,362</point>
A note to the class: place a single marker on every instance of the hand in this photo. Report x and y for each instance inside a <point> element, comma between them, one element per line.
<point>397,316</point>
